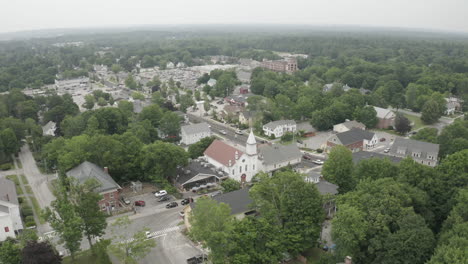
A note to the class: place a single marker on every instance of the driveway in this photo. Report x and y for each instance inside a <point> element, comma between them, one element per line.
<point>36,179</point>
<point>316,141</point>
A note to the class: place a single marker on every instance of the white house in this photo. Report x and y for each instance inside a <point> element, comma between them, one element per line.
<point>49,129</point>
<point>191,134</point>
<point>10,218</point>
<point>453,105</point>
<point>422,152</point>
<point>211,82</point>
<point>234,162</point>
<point>279,128</point>
<point>277,156</point>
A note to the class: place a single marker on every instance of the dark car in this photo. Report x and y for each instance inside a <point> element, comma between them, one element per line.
<point>382,139</point>
<point>186,201</point>
<point>164,198</point>
<point>172,205</point>
<point>197,259</point>
<point>140,203</point>
<point>307,157</point>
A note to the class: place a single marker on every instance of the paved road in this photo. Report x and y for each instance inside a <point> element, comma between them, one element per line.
<point>36,179</point>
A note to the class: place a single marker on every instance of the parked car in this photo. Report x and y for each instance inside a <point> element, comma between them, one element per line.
<point>148,234</point>
<point>186,201</point>
<point>386,150</point>
<point>172,205</point>
<point>182,214</point>
<point>382,139</point>
<point>222,131</point>
<point>164,198</point>
<point>318,162</point>
<point>220,102</point>
<point>140,203</point>
<point>216,193</point>
<point>160,193</point>
<point>125,200</point>
<point>239,132</point>
<point>307,157</point>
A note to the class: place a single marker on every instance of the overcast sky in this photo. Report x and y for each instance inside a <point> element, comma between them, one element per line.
<point>448,15</point>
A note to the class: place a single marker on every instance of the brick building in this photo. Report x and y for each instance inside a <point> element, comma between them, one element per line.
<point>288,65</point>
<point>108,188</point>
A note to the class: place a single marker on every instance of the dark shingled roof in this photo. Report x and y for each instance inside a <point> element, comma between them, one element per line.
<point>239,200</point>
<point>354,135</point>
<point>362,155</point>
<point>325,187</point>
<point>87,170</point>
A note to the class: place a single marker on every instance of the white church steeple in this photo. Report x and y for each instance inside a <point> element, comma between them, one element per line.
<point>251,147</point>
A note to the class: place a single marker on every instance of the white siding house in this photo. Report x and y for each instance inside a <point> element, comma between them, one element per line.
<point>193,133</point>
<point>10,218</point>
<point>279,128</point>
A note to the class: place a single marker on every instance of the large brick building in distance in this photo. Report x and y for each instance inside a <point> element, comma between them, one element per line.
<point>288,65</point>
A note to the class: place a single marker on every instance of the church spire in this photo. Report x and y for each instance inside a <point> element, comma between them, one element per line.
<point>251,147</point>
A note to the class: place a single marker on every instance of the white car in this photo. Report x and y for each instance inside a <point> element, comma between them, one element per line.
<point>386,150</point>
<point>318,162</point>
<point>161,193</point>
<point>223,132</point>
<point>239,132</point>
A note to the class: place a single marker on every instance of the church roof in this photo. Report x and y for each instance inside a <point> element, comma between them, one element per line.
<point>222,153</point>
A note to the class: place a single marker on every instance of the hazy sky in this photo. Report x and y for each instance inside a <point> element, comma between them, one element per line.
<point>18,15</point>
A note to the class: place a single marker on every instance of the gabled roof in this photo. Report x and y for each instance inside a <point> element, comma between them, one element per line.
<point>272,125</point>
<point>410,146</point>
<point>195,128</point>
<point>363,155</point>
<point>354,135</point>
<point>239,200</point>
<point>50,125</point>
<point>88,170</point>
<point>353,124</point>
<point>222,152</point>
<point>306,127</point>
<point>383,113</point>
<point>325,187</point>
<point>8,191</point>
<point>279,153</point>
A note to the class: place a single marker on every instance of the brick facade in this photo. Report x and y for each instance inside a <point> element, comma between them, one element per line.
<point>354,147</point>
<point>384,123</point>
<point>109,199</point>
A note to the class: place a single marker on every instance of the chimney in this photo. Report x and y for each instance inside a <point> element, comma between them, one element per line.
<point>230,163</point>
<point>237,155</point>
<point>348,260</point>
<point>106,170</point>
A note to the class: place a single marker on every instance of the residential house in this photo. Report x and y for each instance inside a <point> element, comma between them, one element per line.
<point>325,188</point>
<point>239,201</point>
<point>249,118</point>
<point>364,155</point>
<point>328,87</point>
<point>108,188</point>
<point>231,112</point>
<point>211,82</point>
<point>355,140</point>
<point>191,134</point>
<point>10,218</point>
<point>422,152</point>
<point>386,117</point>
<point>239,165</point>
<point>279,128</point>
<point>348,125</point>
<point>49,129</point>
<point>277,156</point>
<point>453,105</point>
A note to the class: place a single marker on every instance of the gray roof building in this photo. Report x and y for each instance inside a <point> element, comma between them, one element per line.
<point>423,152</point>
<point>306,127</point>
<point>8,191</point>
<point>88,170</point>
<point>195,128</point>
<point>272,125</point>
<point>239,200</point>
<point>278,153</point>
<point>325,187</point>
<point>363,155</point>
<point>354,135</point>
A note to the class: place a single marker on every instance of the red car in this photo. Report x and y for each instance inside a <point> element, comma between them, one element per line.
<point>139,203</point>
<point>382,139</point>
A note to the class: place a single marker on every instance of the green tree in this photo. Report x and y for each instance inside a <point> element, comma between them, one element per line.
<point>10,144</point>
<point>339,168</point>
<point>170,125</point>
<point>196,150</point>
<point>39,252</point>
<point>65,221</point>
<point>130,82</point>
<point>186,101</point>
<point>427,134</point>
<point>73,126</point>
<point>230,185</point>
<point>138,96</point>
<point>86,200</point>
<point>402,124</point>
<point>89,101</point>
<point>453,138</point>
<point>157,98</point>
<point>349,230</point>
<point>366,115</point>
<point>294,206</point>
<point>102,101</point>
<point>160,160</point>
<point>430,112</point>
<point>212,223</point>
<point>153,113</point>
<point>375,168</point>
<point>116,68</point>
<point>10,252</point>
<point>129,250</point>
<point>126,107</point>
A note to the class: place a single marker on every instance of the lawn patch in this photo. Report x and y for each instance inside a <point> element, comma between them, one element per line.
<point>23,179</point>
<point>415,121</point>
<point>37,209</point>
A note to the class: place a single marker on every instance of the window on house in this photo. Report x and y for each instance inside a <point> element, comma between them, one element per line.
<point>111,195</point>
<point>245,167</point>
<point>253,167</point>
<point>233,172</point>
<point>240,169</point>
<point>7,229</point>
<point>103,207</point>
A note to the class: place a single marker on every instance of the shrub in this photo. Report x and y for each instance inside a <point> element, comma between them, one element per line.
<point>26,211</point>
<point>29,224</point>
<point>20,200</point>
<point>5,166</point>
<point>29,218</point>
<point>319,150</point>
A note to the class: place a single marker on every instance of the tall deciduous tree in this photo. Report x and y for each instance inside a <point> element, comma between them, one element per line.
<point>402,124</point>
<point>196,150</point>
<point>339,167</point>
<point>10,253</point>
<point>230,185</point>
<point>366,115</point>
<point>89,101</point>
<point>161,159</point>
<point>294,206</point>
<point>129,250</point>
<point>39,252</point>
<point>430,112</point>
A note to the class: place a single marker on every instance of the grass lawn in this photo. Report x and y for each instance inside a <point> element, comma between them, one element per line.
<point>18,162</point>
<point>23,178</point>
<point>28,189</point>
<point>417,123</point>
<point>37,208</point>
